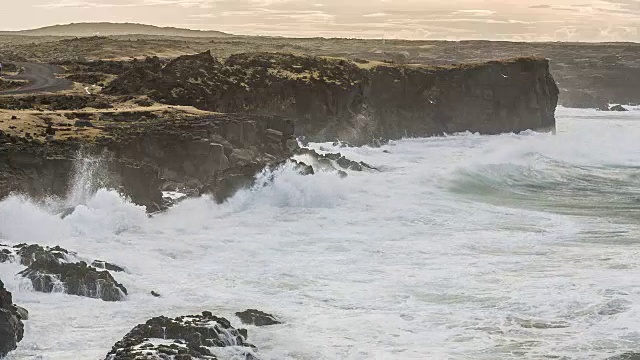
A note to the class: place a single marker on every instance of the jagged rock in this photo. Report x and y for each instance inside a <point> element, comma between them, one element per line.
<point>257,318</point>
<point>349,164</point>
<point>233,179</point>
<point>11,326</point>
<point>6,255</point>
<point>185,337</point>
<point>31,253</point>
<point>341,161</point>
<point>303,169</point>
<point>74,279</point>
<point>56,269</point>
<point>21,312</point>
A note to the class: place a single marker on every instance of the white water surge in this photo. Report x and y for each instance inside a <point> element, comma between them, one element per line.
<point>463,247</point>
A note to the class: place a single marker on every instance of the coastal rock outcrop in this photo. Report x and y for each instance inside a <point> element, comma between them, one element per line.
<point>11,326</point>
<point>142,153</point>
<point>337,99</point>
<point>184,337</point>
<point>257,318</point>
<point>54,269</point>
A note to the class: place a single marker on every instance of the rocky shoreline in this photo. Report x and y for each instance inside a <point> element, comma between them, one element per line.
<point>332,99</point>
<point>202,126</point>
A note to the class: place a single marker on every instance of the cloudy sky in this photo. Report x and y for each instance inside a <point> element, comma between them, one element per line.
<point>563,20</point>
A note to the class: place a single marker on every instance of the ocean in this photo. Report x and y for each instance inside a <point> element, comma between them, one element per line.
<point>461,247</point>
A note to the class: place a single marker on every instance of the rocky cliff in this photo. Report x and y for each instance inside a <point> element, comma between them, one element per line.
<point>333,99</point>
<point>142,153</point>
<point>251,106</point>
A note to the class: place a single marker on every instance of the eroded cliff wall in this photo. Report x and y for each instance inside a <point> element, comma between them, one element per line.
<point>197,154</point>
<point>333,99</point>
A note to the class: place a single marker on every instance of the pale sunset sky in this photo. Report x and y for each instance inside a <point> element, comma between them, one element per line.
<point>534,20</point>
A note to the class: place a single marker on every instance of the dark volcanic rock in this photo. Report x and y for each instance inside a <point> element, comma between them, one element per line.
<point>31,253</point>
<point>11,326</point>
<point>336,99</point>
<point>74,279</point>
<point>303,169</point>
<point>325,161</point>
<point>257,318</point>
<point>54,269</point>
<point>216,153</point>
<point>185,337</point>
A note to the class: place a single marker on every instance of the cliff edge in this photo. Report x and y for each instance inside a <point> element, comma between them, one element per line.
<point>334,99</point>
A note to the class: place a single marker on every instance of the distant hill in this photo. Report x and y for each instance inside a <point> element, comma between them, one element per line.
<point>111,29</point>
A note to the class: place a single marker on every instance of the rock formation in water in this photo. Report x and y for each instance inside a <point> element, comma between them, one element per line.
<point>257,318</point>
<point>57,269</point>
<point>185,337</point>
<point>11,326</point>
<point>337,99</point>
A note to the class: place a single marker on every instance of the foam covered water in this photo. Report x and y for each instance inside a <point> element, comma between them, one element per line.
<point>463,247</point>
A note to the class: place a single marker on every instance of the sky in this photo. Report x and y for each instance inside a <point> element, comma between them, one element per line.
<point>526,20</point>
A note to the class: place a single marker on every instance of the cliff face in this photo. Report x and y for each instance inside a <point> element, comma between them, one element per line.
<point>143,156</point>
<point>491,98</point>
<point>336,99</point>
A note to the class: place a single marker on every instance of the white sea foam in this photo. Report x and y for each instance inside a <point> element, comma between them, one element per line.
<point>466,246</point>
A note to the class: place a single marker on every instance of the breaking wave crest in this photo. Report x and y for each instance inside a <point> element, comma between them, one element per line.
<point>577,173</point>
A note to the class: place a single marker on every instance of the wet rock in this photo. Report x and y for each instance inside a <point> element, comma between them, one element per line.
<point>74,279</point>
<point>349,164</point>
<point>185,337</point>
<point>21,312</point>
<point>257,318</point>
<point>6,255</point>
<point>31,253</point>
<point>341,161</point>
<point>233,179</point>
<point>11,326</point>
<point>54,269</point>
<point>303,169</point>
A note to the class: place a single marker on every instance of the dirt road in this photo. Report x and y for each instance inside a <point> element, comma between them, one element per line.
<point>40,77</point>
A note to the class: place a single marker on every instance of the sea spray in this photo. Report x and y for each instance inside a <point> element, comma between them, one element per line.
<point>90,173</point>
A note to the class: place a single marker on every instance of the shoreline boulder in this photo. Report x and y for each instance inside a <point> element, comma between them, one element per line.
<point>184,337</point>
<point>11,326</point>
